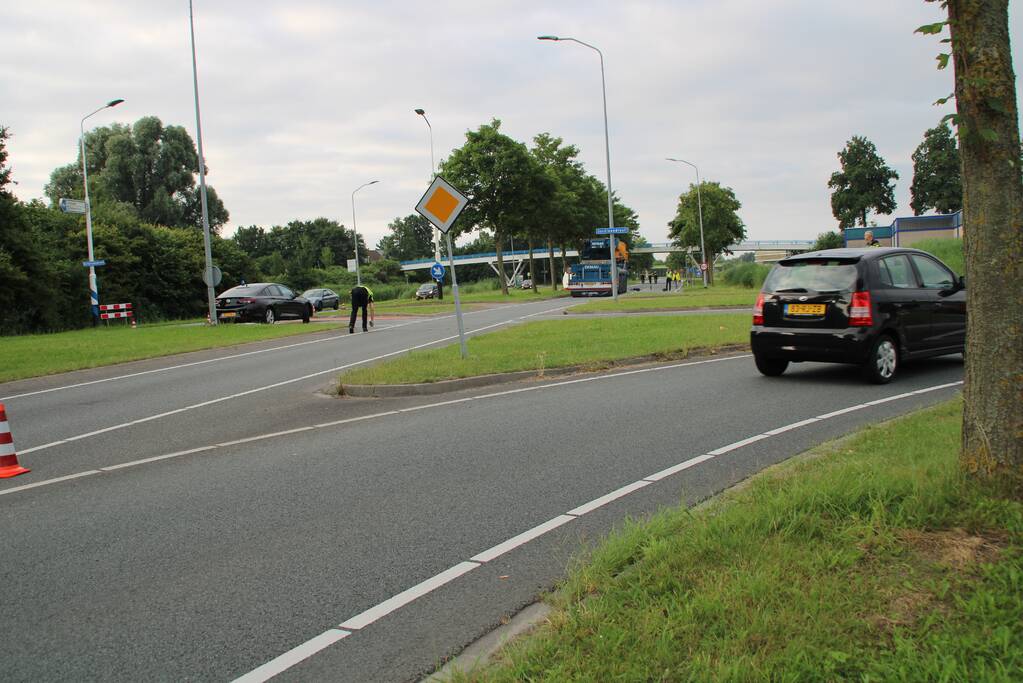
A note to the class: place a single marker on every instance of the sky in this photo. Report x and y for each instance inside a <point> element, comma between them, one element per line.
<point>303,101</point>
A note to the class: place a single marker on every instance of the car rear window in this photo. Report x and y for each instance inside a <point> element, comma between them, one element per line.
<point>243,290</point>
<point>812,275</point>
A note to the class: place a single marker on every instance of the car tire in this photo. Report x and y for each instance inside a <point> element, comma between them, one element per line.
<point>319,306</point>
<point>308,314</point>
<point>770,367</point>
<point>337,305</point>
<point>269,317</point>
<point>883,361</point>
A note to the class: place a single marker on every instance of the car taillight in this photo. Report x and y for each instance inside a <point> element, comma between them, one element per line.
<point>758,309</point>
<point>859,310</point>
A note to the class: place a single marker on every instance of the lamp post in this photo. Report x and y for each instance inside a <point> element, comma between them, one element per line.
<point>436,232</point>
<point>607,152</point>
<point>699,207</point>
<point>211,297</point>
<point>355,232</point>
<point>93,285</point>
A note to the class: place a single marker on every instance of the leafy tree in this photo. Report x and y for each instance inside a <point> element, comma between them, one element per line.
<point>148,166</point>
<point>504,183</point>
<point>863,184</point>
<point>828,240</point>
<point>989,142</point>
<point>639,262</point>
<point>722,226</point>
<point>410,238</point>
<point>936,181</point>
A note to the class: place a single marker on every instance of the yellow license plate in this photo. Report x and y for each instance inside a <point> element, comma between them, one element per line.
<point>805,309</point>
<point>228,314</point>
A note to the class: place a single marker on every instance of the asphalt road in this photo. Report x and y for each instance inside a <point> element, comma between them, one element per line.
<point>208,565</point>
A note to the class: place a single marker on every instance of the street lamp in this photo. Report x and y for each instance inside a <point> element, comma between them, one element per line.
<point>211,297</point>
<point>433,171</point>
<point>607,152</point>
<point>699,207</point>
<point>93,285</point>
<point>355,233</point>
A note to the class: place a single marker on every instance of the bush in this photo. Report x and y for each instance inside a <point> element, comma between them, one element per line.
<point>750,275</point>
<point>949,250</point>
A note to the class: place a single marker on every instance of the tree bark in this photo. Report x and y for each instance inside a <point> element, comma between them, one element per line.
<point>554,275</point>
<point>989,143</point>
<point>500,262</point>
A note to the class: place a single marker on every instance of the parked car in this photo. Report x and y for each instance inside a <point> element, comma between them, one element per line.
<point>322,298</point>
<point>871,307</point>
<point>527,284</point>
<point>265,302</point>
<point>427,290</point>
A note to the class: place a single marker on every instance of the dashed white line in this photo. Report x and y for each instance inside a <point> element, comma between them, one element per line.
<point>675,469</point>
<point>607,498</point>
<point>523,538</point>
<point>294,656</point>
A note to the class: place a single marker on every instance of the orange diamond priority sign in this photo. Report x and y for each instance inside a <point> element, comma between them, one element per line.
<point>441,204</point>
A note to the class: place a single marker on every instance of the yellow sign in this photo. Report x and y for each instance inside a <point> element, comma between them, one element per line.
<point>441,204</point>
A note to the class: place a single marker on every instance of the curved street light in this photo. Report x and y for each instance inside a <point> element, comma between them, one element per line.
<point>607,153</point>
<point>355,232</point>
<point>433,171</point>
<point>93,284</point>
<point>699,206</point>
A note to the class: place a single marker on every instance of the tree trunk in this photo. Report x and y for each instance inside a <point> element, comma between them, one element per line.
<point>532,268</point>
<point>989,143</point>
<point>550,258</point>
<point>500,262</point>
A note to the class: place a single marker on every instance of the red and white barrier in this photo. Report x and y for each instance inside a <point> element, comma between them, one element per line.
<point>118,311</point>
<point>9,466</point>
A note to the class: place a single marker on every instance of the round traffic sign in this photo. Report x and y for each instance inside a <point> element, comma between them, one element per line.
<point>437,271</point>
<point>217,276</point>
<point>703,266</point>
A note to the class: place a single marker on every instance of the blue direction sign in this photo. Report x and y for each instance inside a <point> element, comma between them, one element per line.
<point>93,264</point>
<point>612,231</point>
<point>437,271</point>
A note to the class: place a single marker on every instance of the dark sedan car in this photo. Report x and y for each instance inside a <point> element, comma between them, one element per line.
<point>427,290</point>
<point>265,302</point>
<point>322,298</point>
<point>871,307</point>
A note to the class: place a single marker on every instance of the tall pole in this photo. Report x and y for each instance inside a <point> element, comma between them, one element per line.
<point>211,297</point>
<point>607,151</point>
<point>699,207</point>
<point>93,284</point>
<point>355,231</point>
<point>433,172</point>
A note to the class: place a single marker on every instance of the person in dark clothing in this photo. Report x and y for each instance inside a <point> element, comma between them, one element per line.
<point>362,297</point>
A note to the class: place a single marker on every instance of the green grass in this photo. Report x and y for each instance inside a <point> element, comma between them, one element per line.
<point>559,343</point>
<point>45,354</point>
<point>872,560</point>
<point>949,250</point>
<point>690,297</point>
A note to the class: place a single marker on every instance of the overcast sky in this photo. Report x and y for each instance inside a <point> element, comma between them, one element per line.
<point>304,101</point>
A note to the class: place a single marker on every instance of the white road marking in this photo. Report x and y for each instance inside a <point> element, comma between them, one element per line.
<point>392,604</point>
<point>47,482</point>
<point>737,444</point>
<point>523,538</point>
<point>144,461</point>
<point>293,656</point>
<point>267,387</point>
<point>364,619</point>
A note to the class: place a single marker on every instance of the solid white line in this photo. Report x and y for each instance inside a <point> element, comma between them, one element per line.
<point>48,481</point>
<point>737,444</point>
<point>293,656</point>
<point>675,469</point>
<point>144,461</point>
<point>521,539</point>
<point>843,411</point>
<point>607,498</point>
<point>364,619</point>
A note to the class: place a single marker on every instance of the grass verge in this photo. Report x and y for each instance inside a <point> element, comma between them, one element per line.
<point>688,298</point>
<point>877,560</point>
<point>559,343</point>
<point>45,354</point>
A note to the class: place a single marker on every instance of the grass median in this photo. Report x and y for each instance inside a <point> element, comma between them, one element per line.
<point>560,343</point>
<point>874,559</point>
<point>687,298</point>
<point>45,354</point>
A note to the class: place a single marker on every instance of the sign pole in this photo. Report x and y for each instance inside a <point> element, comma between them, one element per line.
<point>458,301</point>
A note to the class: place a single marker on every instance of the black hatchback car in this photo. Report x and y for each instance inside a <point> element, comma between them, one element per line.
<point>265,302</point>
<point>870,307</point>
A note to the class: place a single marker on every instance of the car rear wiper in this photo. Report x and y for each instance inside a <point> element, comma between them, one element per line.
<point>785,291</point>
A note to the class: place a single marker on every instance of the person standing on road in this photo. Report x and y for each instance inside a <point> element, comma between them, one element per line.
<point>868,239</point>
<point>566,278</point>
<point>362,297</point>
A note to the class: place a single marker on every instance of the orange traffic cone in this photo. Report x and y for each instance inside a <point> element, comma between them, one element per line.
<point>9,466</point>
